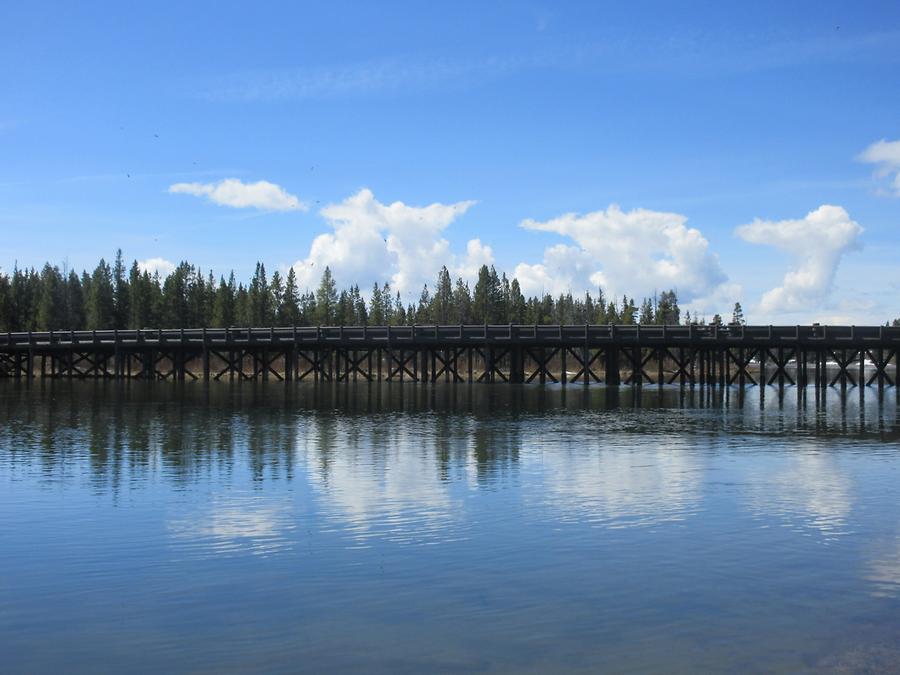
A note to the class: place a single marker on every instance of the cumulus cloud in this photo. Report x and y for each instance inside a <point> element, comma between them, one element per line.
<point>393,242</point>
<point>261,195</point>
<point>886,156</point>
<point>817,243</point>
<point>638,251</point>
<point>161,265</point>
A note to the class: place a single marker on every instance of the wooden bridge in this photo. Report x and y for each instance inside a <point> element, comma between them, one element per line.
<point>636,355</point>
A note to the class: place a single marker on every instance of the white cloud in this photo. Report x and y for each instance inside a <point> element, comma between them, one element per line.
<point>638,251</point>
<point>886,155</point>
<point>261,195</point>
<point>817,243</point>
<point>720,300</point>
<point>390,242</point>
<point>161,265</point>
<point>477,254</point>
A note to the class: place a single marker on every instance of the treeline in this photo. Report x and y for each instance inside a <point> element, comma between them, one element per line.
<point>123,297</point>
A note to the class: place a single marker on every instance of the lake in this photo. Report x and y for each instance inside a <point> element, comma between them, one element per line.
<point>396,528</point>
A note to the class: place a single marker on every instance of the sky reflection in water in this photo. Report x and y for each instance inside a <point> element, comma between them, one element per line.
<point>398,528</point>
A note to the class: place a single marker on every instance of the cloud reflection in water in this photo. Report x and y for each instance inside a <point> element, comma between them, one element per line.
<point>254,525</point>
<point>618,488</point>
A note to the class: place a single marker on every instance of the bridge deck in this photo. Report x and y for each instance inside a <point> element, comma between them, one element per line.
<point>837,336</point>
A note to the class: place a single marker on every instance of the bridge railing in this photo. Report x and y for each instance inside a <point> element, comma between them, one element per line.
<point>471,334</point>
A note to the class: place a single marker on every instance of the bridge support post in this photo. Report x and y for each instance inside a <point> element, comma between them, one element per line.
<point>542,372</point>
<point>517,365</point>
<point>611,357</point>
<point>660,367</point>
<point>586,359</point>
<point>879,354</point>
<point>637,372</point>
<point>205,363</point>
<point>563,375</point>
<point>723,367</point>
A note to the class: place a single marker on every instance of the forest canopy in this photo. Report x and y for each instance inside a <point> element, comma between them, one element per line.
<point>119,296</point>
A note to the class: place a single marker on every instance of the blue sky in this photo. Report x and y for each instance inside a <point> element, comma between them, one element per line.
<point>737,152</point>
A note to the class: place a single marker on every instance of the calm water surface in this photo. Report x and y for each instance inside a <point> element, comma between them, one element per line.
<point>150,527</point>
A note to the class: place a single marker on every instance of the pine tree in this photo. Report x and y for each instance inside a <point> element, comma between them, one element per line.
<point>668,311</point>
<point>138,310</point>
<point>259,298</point>
<point>629,311</point>
<point>485,295</point>
<point>600,316</point>
<point>197,315</point>
<point>289,311</point>
<point>423,309</point>
<point>442,304</point>
<point>360,313</point>
<point>223,309</point>
<point>5,303</point>
<point>737,316</point>
<point>121,292</point>
<point>101,303</point>
<point>501,308</point>
<point>564,313</point>
<point>376,307</point>
<point>612,313</point>
<point>387,302</point>
<point>51,305</point>
<point>326,300</point>
<point>177,296</point>
<point>243,315</point>
<point>516,312</point>
<point>647,315</point>
<point>307,309</point>
<point>462,303</point>
<point>75,310</point>
<point>344,314</point>
<point>23,299</point>
<point>276,297</point>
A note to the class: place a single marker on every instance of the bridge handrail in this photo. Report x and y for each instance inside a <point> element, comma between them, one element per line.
<point>592,333</point>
